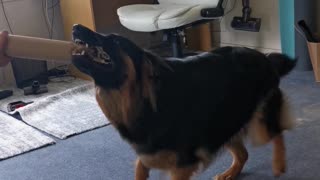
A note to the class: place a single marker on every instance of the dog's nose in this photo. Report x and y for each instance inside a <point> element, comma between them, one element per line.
<point>76,27</point>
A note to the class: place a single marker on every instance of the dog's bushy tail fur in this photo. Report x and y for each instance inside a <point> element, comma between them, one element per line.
<point>282,63</point>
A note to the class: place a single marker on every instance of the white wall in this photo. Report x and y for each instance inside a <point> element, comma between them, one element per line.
<point>26,18</point>
<point>267,40</point>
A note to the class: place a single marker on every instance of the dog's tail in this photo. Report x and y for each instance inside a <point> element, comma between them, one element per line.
<point>282,63</point>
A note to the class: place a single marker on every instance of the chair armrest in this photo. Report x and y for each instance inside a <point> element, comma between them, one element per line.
<point>212,12</point>
<point>218,11</point>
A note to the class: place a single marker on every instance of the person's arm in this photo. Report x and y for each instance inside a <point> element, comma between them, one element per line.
<point>4,60</point>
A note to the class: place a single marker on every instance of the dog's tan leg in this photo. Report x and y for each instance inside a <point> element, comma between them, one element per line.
<point>279,156</point>
<point>182,173</point>
<point>240,156</point>
<point>142,172</point>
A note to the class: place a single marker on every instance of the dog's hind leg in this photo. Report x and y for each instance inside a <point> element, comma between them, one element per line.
<point>240,156</point>
<point>277,118</point>
<point>279,156</point>
<point>142,172</point>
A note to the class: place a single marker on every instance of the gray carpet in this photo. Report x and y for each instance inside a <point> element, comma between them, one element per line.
<point>65,114</point>
<point>102,155</point>
<point>53,87</point>
<point>16,137</point>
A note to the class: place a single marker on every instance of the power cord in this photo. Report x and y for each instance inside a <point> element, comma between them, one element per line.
<point>49,22</point>
<point>61,74</point>
<point>226,4</point>
<point>52,21</point>
<point>44,4</point>
<point>5,16</point>
<point>55,5</point>
<point>55,74</point>
<point>233,6</point>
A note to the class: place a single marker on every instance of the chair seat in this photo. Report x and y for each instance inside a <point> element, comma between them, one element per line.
<point>155,17</point>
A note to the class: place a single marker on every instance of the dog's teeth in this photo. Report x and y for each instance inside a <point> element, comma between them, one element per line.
<point>101,61</point>
<point>83,52</point>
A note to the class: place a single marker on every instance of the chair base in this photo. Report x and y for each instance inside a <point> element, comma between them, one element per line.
<point>175,40</point>
<point>174,36</point>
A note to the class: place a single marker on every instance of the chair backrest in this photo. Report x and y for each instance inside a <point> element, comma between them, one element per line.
<point>213,3</point>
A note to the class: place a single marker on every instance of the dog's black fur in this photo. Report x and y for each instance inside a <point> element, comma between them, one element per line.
<point>207,99</point>
<point>202,101</point>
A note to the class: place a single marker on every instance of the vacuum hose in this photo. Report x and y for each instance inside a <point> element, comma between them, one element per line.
<point>246,10</point>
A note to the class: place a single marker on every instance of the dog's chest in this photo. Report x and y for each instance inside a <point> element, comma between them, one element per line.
<point>166,159</point>
<point>119,106</point>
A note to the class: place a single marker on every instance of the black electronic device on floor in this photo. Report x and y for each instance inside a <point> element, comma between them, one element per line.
<point>35,88</point>
<point>28,71</point>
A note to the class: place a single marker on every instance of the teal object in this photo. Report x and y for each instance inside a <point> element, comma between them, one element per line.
<point>286,12</point>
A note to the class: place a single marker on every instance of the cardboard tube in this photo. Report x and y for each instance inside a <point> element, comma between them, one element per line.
<point>39,48</point>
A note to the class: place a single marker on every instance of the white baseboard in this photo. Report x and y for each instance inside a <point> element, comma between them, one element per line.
<point>261,49</point>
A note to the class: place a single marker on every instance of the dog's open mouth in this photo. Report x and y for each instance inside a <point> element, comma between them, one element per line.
<point>92,56</point>
<point>94,53</point>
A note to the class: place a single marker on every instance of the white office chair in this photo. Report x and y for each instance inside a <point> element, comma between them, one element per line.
<point>170,16</point>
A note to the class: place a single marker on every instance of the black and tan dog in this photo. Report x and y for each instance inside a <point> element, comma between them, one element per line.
<point>177,114</point>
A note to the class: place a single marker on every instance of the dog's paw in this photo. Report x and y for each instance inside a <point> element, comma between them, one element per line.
<point>279,166</point>
<point>279,169</point>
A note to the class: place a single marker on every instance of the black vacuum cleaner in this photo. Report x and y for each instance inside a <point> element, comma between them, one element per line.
<point>246,22</point>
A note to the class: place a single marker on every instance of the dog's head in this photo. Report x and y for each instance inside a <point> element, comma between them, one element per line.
<point>118,66</point>
<point>108,58</point>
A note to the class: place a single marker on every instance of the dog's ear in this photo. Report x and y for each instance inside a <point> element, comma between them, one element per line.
<point>148,83</point>
<point>138,54</point>
<point>152,68</point>
<point>157,61</point>
<point>130,48</point>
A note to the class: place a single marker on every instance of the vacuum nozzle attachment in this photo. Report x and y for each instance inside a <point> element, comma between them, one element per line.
<point>252,24</point>
<point>246,22</point>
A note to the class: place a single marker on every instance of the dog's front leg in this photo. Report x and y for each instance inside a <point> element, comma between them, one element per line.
<point>182,173</point>
<point>142,172</point>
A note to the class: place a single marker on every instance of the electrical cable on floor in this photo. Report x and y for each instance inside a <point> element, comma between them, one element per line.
<point>61,74</point>
<point>5,16</point>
